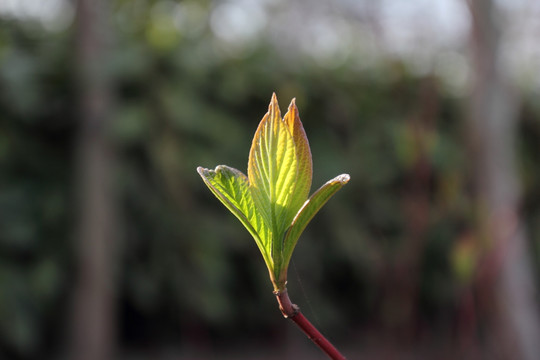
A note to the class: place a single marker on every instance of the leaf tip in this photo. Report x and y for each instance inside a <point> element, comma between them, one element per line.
<point>293,107</point>
<point>274,99</point>
<point>273,113</point>
<point>343,178</point>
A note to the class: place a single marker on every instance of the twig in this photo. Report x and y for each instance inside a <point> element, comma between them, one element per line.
<point>292,311</point>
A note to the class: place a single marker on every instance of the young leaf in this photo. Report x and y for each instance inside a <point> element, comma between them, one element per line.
<point>271,201</point>
<point>303,154</point>
<point>308,211</point>
<point>272,172</point>
<point>231,187</point>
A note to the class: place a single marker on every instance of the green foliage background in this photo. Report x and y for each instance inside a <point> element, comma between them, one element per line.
<point>184,261</point>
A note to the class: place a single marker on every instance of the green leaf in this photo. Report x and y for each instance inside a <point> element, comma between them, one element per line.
<point>271,201</point>
<point>303,155</point>
<point>308,211</point>
<point>231,187</point>
<point>272,172</point>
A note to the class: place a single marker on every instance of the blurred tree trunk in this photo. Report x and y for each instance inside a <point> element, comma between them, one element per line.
<point>492,130</point>
<point>402,282</point>
<point>93,313</point>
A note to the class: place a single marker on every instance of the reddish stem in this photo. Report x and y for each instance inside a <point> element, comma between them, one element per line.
<point>292,311</point>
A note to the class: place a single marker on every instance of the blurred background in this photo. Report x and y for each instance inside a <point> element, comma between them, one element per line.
<point>111,247</point>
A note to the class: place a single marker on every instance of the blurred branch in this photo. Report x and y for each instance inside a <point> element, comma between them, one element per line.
<point>93,315</point>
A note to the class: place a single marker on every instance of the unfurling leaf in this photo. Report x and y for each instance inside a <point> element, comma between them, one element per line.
<point>231,187</point>
<point>272,169</point>
<point>309,210</point>
<point>272,201</point>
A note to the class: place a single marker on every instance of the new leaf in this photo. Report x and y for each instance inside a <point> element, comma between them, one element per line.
<point>272,201</point>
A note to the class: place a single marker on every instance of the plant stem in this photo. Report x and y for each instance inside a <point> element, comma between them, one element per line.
<point>292,311</point>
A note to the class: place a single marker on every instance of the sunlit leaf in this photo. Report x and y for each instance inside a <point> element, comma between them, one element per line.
<point>303,155</point>
<point>271,201</point>
<point>309,210</point>
<point>231,187</point>
<point>272,172</point>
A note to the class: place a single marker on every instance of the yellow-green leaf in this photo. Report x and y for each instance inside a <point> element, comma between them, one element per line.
<point>308,211</point>
<point>271,201</point>
<point>231,187</point>
<point>272,172</point>
<point>303,156</point>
